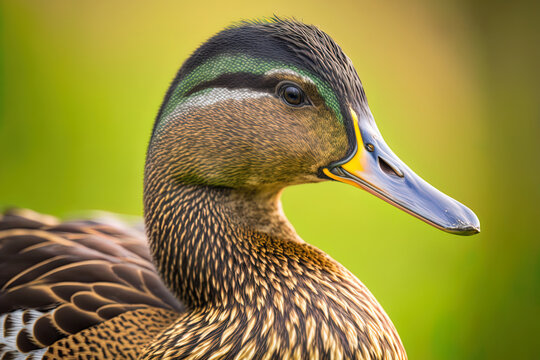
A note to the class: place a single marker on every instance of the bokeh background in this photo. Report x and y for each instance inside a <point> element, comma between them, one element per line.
<point>453,85</point>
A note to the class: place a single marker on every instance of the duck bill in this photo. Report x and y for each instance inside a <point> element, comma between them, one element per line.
<point>375,168</point>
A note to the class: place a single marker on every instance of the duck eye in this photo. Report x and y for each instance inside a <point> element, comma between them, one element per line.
<point>292,95</point>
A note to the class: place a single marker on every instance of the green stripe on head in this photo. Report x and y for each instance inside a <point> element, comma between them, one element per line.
<point>234,63</point>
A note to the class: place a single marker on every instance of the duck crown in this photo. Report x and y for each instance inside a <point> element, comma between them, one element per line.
<point>242,55</point>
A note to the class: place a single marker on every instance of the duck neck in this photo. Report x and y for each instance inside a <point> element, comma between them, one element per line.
<point>202,238</point>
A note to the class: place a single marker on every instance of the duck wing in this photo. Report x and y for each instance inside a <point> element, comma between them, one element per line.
<point>59,280</point>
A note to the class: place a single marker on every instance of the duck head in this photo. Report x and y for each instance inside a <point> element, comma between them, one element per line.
<point>265,105</point>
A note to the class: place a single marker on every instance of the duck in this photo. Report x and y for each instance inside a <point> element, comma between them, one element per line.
<point>217,271</point>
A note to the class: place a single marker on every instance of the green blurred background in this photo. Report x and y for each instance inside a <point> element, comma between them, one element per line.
<point>453,85</point>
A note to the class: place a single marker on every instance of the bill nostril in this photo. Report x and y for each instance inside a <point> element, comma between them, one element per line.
<point>389,169</point>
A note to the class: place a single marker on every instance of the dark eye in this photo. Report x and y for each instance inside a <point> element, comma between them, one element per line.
<point>292,95</point>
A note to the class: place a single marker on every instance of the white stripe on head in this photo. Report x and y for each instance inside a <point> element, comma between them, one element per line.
<point>216,95</point>
<point>289,72</point>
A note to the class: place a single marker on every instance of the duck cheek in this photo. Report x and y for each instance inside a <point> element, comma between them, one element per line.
<point>326,139</point>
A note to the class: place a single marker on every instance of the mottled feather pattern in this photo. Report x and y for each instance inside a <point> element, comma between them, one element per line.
<point>253,296</point>
<point>57,279</point>
<point>122,337</point>
<point>252,287</point>
<point>243,284</point>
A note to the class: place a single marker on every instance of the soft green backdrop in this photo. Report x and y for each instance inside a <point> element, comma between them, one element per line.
<point>453,85</point>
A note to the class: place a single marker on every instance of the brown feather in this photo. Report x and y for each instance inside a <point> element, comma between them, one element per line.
<point>213,177</point>
<point>71,276</point>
